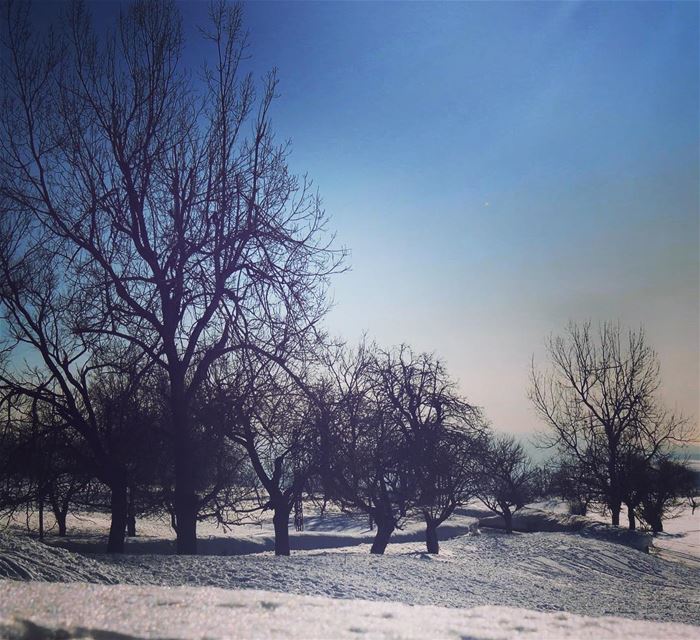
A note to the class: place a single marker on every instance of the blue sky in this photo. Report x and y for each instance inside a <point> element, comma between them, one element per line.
<point>497,169</point>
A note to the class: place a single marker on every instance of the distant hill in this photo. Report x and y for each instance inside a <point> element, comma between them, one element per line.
<point>692,452</point>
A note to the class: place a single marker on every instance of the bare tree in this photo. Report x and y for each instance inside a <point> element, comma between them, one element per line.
<point>444,435</point>
<point>59,366</point>
<point>170,205</point>
<point>599,402</point>
<point>668,485</point>
<point>397,439</point>
<point>64,472</point>
<point>273,417</point>
<point>453,479</point>
<point>508,480</point>
<point>571,482</point>
<point>364,458</point>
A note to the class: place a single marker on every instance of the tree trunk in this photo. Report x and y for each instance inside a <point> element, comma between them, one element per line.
<point>281,522</point>
<point>186,516</point>
<point>615,513</point>
<point>131,525</point>
<point>630,519</point>
<point>131,515</point>
<point>185,502</point>
<point>577,508</point>
<point>60,512</point>
<point>61,516</point>
<point>298,514</point>
<point>115,543</point>
<point>508,519</point>
<point>431,537</point>
<point>385,528</point>
<point>41,519</point>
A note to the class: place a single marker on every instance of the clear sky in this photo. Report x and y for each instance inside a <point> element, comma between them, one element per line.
<point>497,169</point>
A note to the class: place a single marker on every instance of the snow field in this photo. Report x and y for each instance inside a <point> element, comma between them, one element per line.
<point>534,585</point>
<point>540,571</point>
<point>32,610</point>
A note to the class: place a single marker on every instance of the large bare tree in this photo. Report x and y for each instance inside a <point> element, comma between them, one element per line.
<point>168,206</point>
<point>599,400</point>
<point>46,367</point>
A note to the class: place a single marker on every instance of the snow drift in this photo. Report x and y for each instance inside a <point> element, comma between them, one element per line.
<point>529,520</point>
<point>22,558</point>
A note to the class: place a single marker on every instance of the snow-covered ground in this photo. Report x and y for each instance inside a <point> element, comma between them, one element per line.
<point>680,541</point>
<point>541,571</point>
<point>87,534</point>
<point>35,610</point>
<point>483,586</point>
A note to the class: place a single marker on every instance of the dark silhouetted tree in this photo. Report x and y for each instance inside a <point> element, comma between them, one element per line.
<point>168,211</point>
<point>569,481</point>
<point>508,479</point>
<point>599,402</point>
<point>271,416</point>
<point>666,486</point>
<point>443,435</point>
<point>365,457</point>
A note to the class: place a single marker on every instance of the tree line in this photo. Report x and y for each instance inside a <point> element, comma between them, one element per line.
<point>163,283</point>
<point>384,433</point>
